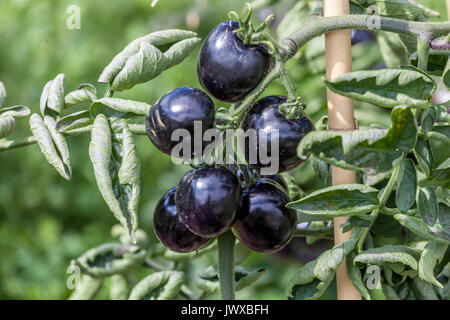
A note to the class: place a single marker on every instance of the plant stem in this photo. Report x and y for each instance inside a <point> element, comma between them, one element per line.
<point>317,26</point>
<point>287,83</point>
<point>226,245</point>
<point>423,49</point>
<point>383,199</point>
<point>240,112</point>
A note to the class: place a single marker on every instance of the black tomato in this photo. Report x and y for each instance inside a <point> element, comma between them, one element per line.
<point>263,222</point>
<point>229,69</point>
<point>170,229</point>
<point>275,177</point>
<point>208,199</point>
<point>179,109</point>
<point>264,117</point>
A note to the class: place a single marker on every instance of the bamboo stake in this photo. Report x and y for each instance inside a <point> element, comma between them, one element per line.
<point>340,117</point>
<point>448,9</point>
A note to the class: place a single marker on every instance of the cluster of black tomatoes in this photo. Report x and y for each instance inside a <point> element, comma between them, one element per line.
<point>210,200</point>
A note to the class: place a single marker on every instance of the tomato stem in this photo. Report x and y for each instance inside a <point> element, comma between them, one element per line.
<point>226,246</point>
<point>423,49</point>
<point>383,198</point>
<point>317,26</point>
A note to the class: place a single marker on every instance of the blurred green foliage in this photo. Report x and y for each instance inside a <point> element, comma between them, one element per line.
<point>46,221</point>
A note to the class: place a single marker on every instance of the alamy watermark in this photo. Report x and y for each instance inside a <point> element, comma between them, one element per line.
<point>73,22</point>
<point>374,276</point>
<point>220,147</point>
<point>73,281</point>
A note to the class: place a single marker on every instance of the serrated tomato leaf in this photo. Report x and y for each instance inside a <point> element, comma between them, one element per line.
<point>119,108</point>
<point>106,153</point>
<point>386,88</point>
<point>338,201</point>
<point>52,145</point>
<point>141,60</point>
<point>7,126</point>
<point>372,150</point>
<point>208,279</point>
<point>405,194</point>
<point>52,98</point>
<point>432,254</point>
<point>110,258</point>
<point>85,92</point>
<point>164,285</point>
<point>389,253</point>
<point>74,120</point>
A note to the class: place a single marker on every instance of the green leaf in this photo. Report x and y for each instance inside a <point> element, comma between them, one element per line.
<point>322,170</point>
<point>209,278</point>
<point>122,199</point>
<point>74,120</point>
<point>392,49</point>
<point>389,292</point>
<point>386,88</point>
<point>60,143</point>
<point>141,60</point>
<point>120,232</point>
<point>85,92</point>
<point>354,274</point>
<point>119,289</point>
<point>52,98</point>
<point>163,285</point>
<point>294,190</point>
<point>389,253</point>
<point>315,229</point>
<point>427,205</point>
<point>119,108</point>
<point>402,133</point>
<point>49,147</point>
<point>428,118</point>
<point>329,260</point>
<point>437,61</point>
<point>305,286</point>
<point>419,228</point>
<point>311,281</point>
<point>371,150</point>
<point>432,254</point>
<point>146,64</point>
<point>425,289</point>
<point>110,258</point>
<point>180,50</point>
<point>2,93</point>
<point>87,289</point>
<point>406,185</point>
<point>338,201</point>
<point>353,150</point>
<point>17,112</point>
<point>440,147</point>
<point>7,126</point>
<point>442,226</point>
<point>422,152</point>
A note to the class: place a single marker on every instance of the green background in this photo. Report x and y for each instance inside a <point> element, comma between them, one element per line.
<point>44,220</point>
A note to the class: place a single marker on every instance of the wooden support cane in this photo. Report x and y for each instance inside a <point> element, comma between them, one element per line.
<point>340,117</point>
<point>448,9</point>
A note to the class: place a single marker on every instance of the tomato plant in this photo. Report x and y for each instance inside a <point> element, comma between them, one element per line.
<point>398,211</point>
